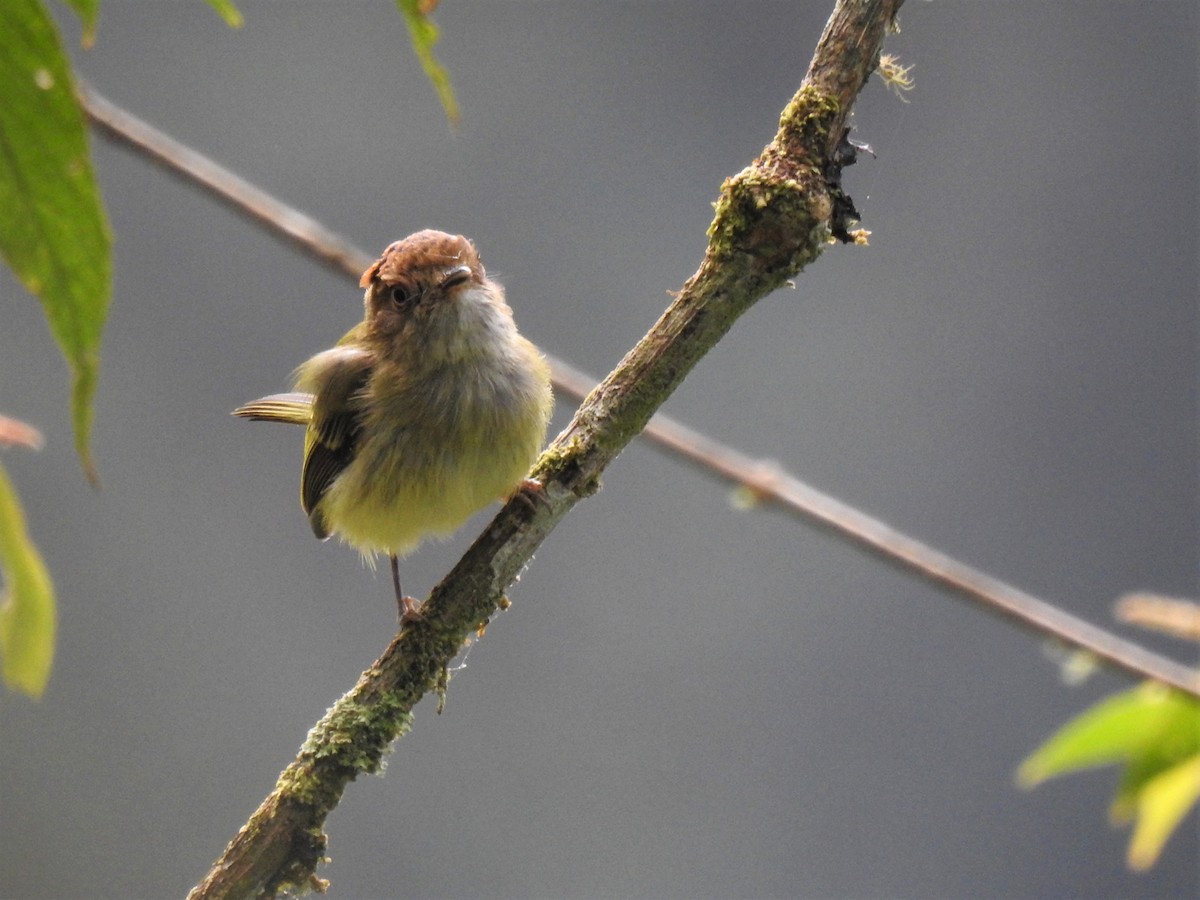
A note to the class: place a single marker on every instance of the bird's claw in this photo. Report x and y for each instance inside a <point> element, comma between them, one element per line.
<point>410,611</point>
<point>531,494</point>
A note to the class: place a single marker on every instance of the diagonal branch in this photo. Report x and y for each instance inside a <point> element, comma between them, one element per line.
<point>766,481</point>
<point>772,219</point>
<point>179,159</point>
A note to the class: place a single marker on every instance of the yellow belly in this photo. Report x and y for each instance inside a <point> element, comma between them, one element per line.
<point>389,503</point>
<point>441,461</point>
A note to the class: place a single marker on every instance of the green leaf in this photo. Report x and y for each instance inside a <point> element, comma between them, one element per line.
<point>1161,805</point>
<point>1155,732</point>
<point>1128,727</point>
<point>53,232</point>
<point>424,35</point>
<point>87,11</point>
<point>1172,736</point>
<point>27,614</point>
<point>227,11</point>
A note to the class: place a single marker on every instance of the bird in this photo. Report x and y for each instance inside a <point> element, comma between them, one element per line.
<point>430,408</point>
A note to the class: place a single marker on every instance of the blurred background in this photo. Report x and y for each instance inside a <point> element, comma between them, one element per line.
<point>685,700</point>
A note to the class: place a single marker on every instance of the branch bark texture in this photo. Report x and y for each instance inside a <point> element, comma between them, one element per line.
<point>772,219</point>
<point>764,480</point>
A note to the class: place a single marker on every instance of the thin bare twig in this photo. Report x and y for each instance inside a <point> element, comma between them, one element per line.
<point>769,483</point>
<point>771,220</point>
<point>313,238</point>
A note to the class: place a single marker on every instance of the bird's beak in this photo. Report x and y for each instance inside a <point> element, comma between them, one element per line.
<point>455,277</point>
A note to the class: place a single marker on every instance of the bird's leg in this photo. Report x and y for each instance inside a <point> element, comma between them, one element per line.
<point>407,606</point>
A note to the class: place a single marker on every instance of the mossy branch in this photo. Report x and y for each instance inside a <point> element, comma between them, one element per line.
<point>764,481</point>
<point>772,219</point>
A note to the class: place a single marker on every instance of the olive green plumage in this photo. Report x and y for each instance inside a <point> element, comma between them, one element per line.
<point>427,410</point>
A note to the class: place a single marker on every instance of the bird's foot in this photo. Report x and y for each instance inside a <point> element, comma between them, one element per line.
<point>410,611</point>
<point>531,493</point>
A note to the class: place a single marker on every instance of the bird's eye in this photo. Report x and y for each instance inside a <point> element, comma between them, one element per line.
<point>399,294</point>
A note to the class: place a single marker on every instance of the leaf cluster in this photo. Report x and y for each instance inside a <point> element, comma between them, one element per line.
<point>55,236</point>
<point>1153,733</point>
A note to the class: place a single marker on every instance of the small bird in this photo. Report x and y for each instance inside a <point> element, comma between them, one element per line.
<point>426,411</point>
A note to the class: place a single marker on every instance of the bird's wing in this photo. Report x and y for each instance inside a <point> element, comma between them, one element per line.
<point>338,377</point>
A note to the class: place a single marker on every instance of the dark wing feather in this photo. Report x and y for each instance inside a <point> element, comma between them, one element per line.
<point>330,450</point>
<point>334,428</point>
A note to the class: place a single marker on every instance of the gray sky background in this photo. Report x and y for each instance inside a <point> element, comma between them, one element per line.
<point>685,700</point>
